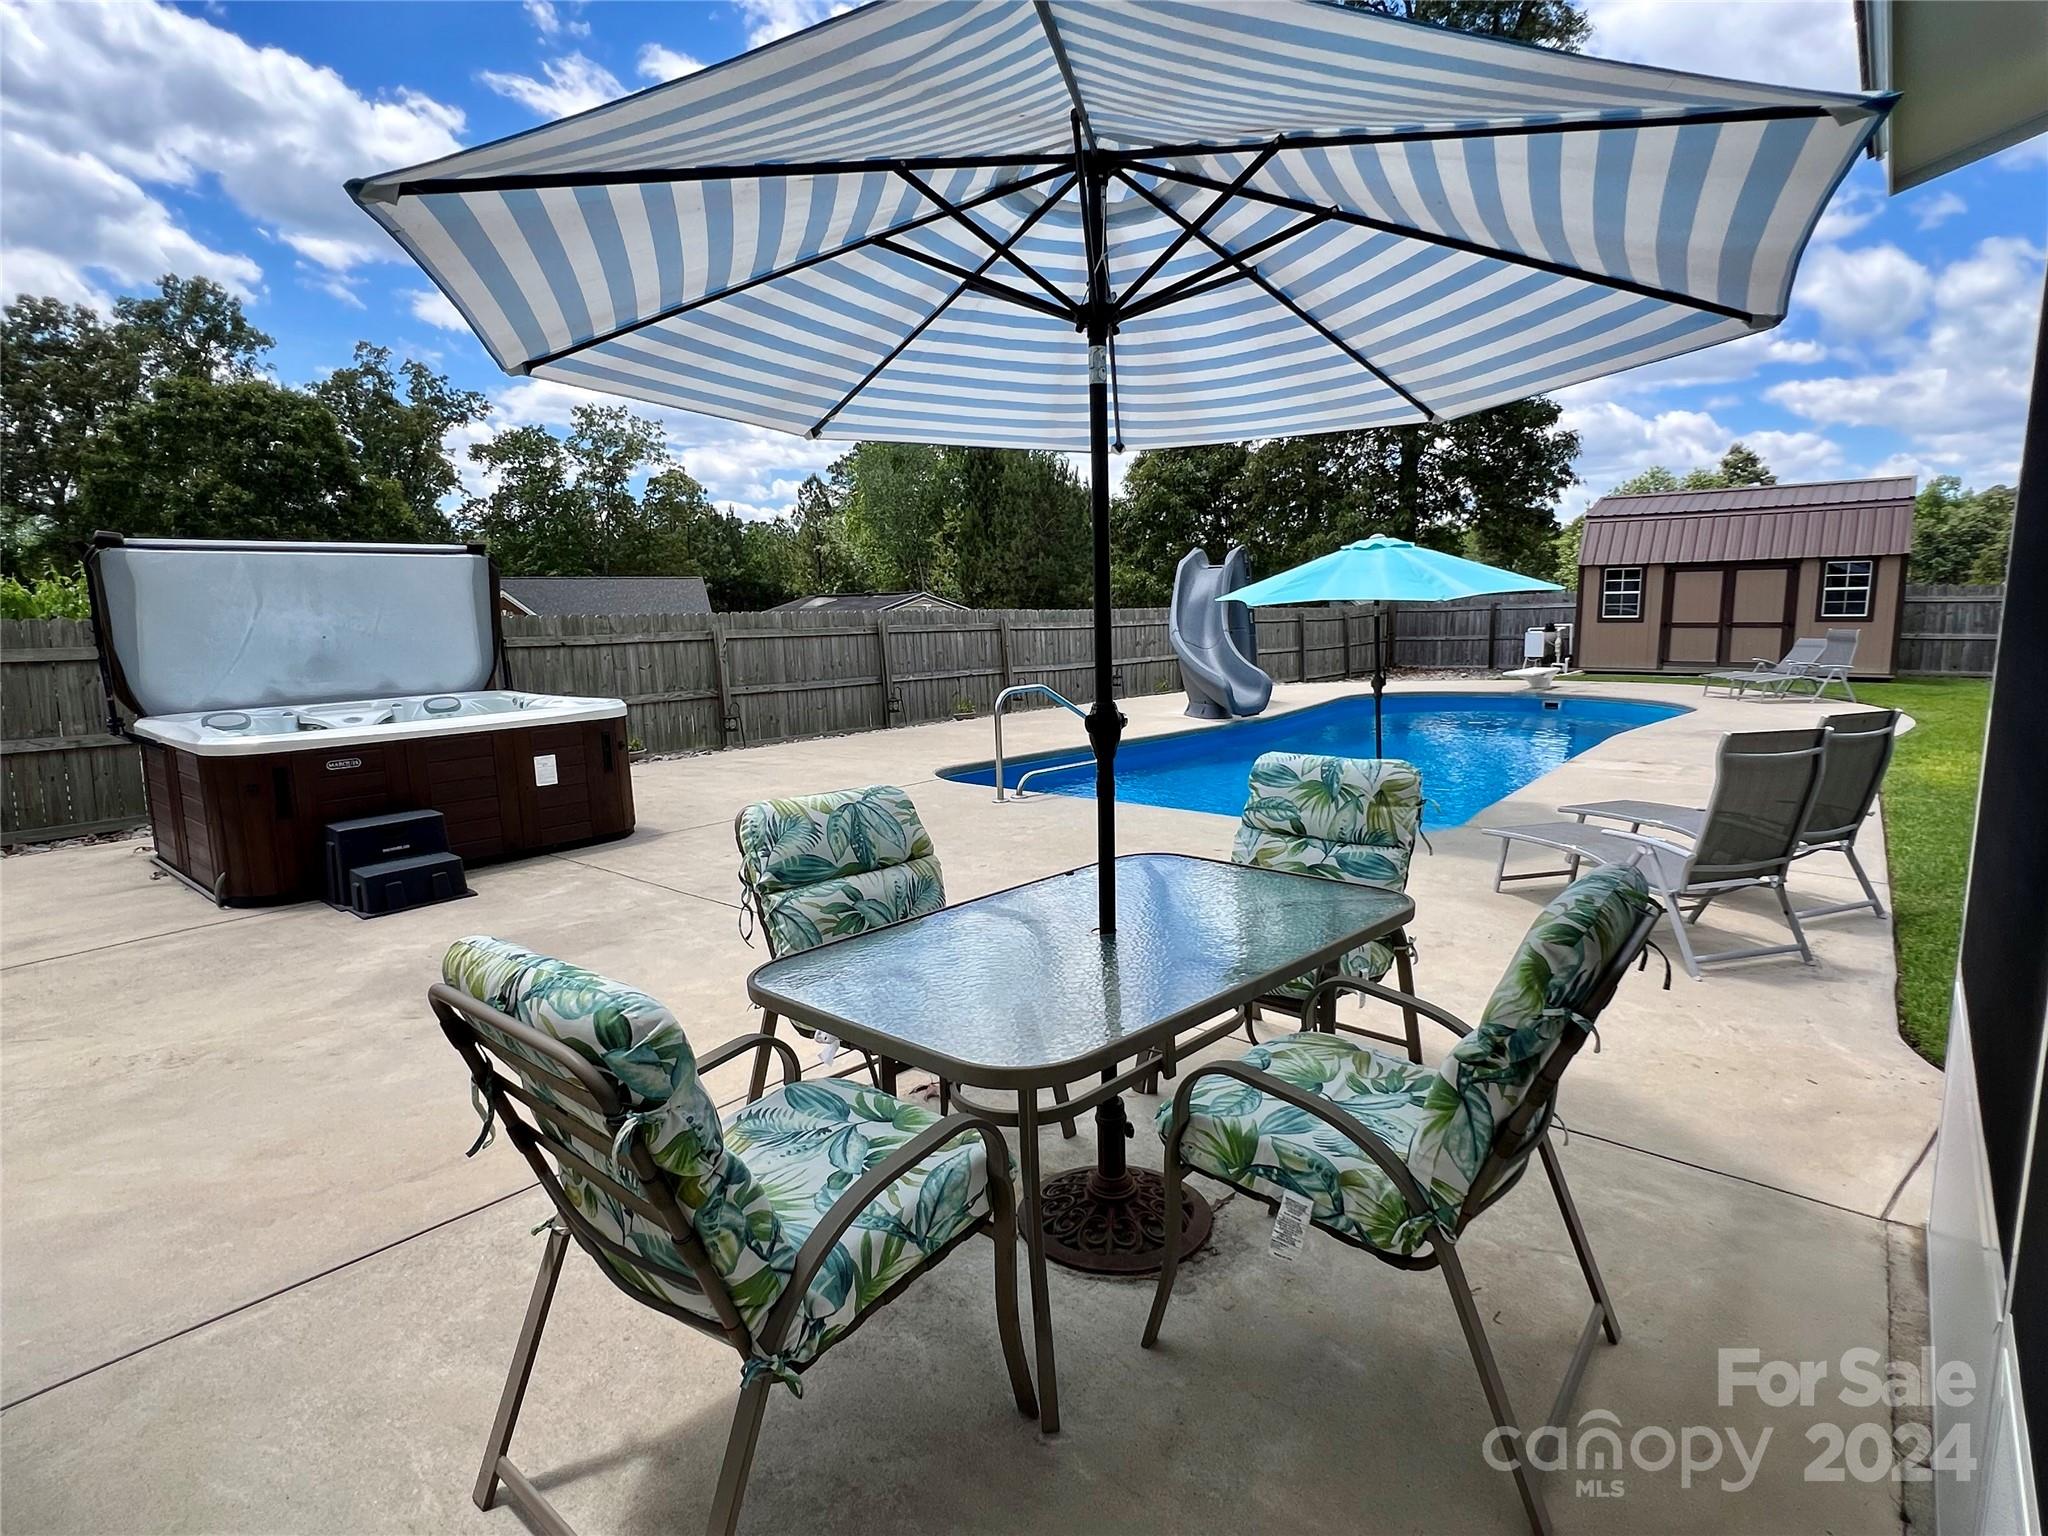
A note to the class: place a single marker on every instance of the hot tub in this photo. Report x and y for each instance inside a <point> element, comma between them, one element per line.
<point>280,687</point>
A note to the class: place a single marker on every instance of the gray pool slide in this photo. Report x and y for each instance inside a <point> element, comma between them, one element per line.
<point>1216,642</point>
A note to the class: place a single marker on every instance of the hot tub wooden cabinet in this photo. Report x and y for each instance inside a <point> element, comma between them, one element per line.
<point>280,687</point>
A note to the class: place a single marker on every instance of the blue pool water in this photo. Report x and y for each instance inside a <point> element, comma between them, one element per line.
<point>1473,749</point>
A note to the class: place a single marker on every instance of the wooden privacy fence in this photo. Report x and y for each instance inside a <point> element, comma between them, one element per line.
<point>696,682</point>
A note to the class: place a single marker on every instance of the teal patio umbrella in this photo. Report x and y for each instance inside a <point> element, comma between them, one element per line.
<point>1383,570</point>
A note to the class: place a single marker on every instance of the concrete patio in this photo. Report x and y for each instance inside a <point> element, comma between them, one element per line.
<point>251,1284</point>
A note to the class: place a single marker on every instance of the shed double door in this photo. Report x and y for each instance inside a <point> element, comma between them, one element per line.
<point>1720,615</point>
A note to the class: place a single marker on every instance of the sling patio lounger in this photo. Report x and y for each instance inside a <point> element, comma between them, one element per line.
<point>1852,769</point>
<point>1773,677</point>
<point>1765,784</point>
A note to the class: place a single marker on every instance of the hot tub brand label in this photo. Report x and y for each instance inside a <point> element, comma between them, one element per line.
<point>341,764</point>
<point>544,770</point>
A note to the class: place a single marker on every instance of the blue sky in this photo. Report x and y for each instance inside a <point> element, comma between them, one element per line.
<point>140,138</point>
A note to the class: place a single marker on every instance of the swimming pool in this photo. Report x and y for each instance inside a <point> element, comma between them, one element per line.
<point>1473,749</point>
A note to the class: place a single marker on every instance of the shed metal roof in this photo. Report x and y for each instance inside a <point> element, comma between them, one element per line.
<point>864,602</point>
<point>551,596</point>
<point>1817,520</point>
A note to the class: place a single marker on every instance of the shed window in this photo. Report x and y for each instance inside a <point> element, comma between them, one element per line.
<point>1621,592</point>
<point>1845,589</point>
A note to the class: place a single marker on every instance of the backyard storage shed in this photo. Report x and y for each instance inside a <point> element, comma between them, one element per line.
<point>1679,581</point>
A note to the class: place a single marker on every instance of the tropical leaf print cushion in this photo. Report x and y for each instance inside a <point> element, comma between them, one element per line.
<point>826,867</point>
<point>1439,1122</point>
<point>1341,818</point>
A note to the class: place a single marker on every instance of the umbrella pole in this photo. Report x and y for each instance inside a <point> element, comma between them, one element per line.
<point>1105,722</point>
<point>1379,674</point>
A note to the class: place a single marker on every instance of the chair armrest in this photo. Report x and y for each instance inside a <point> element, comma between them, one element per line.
<point>1347,1126</point>
<point>848,1208</point>
<point>719,1055</point>
<point>1398,998</point>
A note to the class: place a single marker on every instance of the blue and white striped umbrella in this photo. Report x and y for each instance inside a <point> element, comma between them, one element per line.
<point>873,229</point>
<point>1158,222</point>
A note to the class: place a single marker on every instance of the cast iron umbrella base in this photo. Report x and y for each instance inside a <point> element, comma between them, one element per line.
<point>1111,1219</point>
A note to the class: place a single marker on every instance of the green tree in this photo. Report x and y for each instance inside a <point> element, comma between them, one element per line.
<point>191,328</point>
<point>1564,549</point>
<point>1652,480</point>
<point>610,447</point>
<point>242,458</point>
<point>895,498</point>
<point>822,558</point>
<point>1961,536</point>
<point>1017,530</point>
<point>1548,23</point>
<point>1739,466</point>
<point>398,434</point>
<point>63,373</point>
<point>1174,500</point>
<point>528,518</point>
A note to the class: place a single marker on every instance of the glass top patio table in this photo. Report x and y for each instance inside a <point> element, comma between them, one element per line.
<point>1018,988</point>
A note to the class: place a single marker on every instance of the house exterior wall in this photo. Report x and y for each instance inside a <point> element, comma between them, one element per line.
<point>1637,646</point>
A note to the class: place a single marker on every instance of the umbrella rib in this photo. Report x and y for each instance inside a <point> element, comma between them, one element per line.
<point>1066,66</point>
<point>1196,284</point>
<point>975,279</point>
<point>943,305</point>
<point>1256,164</point>
<point>1273,291</point>
<point>544,181</point>
<point>1469,247</point>
<point>875,237</point>
<point>973,227</point>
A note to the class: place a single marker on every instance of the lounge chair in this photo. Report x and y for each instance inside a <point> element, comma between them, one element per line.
<point>1339,818</point>
<point>1837,656</point>
<point>1767,676</point>
<point>1765,783</point>
<point>778,1232</point>
<point>815,869</point>
<point>1852,769</point>
<point>1397,1159</point>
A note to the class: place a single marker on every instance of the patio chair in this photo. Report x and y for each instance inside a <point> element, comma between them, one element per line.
<point>778,1232</point>
<point>1767,676</point>
<point>815,869</point>
<point>1397,1159</point>
<point>1339,818</point>
<point>1837,656</point>
<point>1852,769</point>
<point>1765,783</point>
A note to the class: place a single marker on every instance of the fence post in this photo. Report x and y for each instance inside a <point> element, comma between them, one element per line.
<point>1003,650</point>
<point>1301,642</point>
<point>1492,635</point>
<point>728,717</point>
<point>882,647</point>
<point>1345,616</point>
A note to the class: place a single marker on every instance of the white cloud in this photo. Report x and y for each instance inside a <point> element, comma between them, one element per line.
<point>769,19</point>
<point>1871,292</point>
<point>140,95</point>
<point>1956,389</point>
<point>1852,207</point>
<point>548,20</point>
<point>74,224</point>
<point>1784,42</point>
<point>1735,361</point>
<point>100,101</point>
<point>573,84</point>
<point>431,306</point>
<point>1929,212</point>
<point>658,63</point>
<point>1617,443</point>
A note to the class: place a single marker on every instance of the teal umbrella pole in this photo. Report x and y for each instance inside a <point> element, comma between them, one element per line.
<point>1381,570</point>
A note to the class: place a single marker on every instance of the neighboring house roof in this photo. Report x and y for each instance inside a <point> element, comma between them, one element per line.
<point>552,596</point>
<point>1821,519</point>
<point>865,602</point>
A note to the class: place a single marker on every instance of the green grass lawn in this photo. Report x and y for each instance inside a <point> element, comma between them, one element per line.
<point>1930,803</point>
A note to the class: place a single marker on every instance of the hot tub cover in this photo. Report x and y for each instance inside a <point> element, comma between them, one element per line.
<point>191,624</point>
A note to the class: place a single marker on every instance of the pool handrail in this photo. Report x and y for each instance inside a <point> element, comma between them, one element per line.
<point>1003,699</point>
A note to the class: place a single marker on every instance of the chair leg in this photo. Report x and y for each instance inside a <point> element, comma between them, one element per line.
<point>1863,879</point>
<point>1170,1172</point>
<point>758,1083</point>
<point>1251,1016</point>
<point>1685,954</point>
<point>1792,922</point>
<point>1610,1324</point>
<point>1490,1380</point>
<point>1067,1128</point>
<point>1003,1229</point>
<point>522,1366</point>
<point>739,1457</point>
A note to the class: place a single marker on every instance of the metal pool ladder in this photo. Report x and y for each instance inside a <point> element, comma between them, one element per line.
<point>1003,699</point>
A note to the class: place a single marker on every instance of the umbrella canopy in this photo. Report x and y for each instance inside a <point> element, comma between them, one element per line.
<point>1384,570</point>
<point>1051,225</point>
